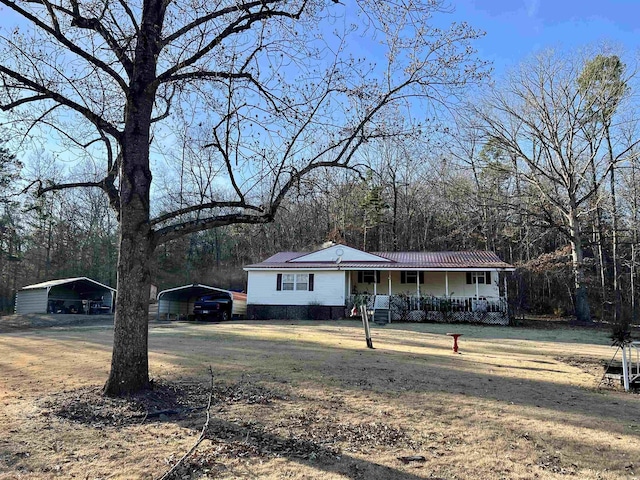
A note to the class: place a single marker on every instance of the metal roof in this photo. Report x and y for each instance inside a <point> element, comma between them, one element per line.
<point>284,257</point>
<point>63,281</point>
<point>194,290</point>
<point>399,261</point>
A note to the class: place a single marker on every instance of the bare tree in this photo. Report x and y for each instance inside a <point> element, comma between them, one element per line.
<point>603,83</point>
<point>538,117</point>
<point>269,86</point>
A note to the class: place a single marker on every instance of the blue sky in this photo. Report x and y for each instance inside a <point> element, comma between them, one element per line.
<point>515,29</point>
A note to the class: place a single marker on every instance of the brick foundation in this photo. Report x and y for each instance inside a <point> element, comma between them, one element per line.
<point>295,312</point>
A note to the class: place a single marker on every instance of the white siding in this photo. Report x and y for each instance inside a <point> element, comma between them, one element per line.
<point>31,301</point>
<point>348,255</point>
<point>328,289</point>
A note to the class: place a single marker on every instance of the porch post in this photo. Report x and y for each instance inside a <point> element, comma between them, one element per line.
<point>506,294</point>
<point>348,286</point>
<point>418,289</point>
<point>375,283</point>
<point>446,284</point>
<point>477,288</point>
<point>389,311</point>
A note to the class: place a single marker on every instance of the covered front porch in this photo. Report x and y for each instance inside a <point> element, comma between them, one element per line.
<point>473,295</point>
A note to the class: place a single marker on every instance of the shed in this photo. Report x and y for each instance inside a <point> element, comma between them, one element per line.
<point>179,301</point>
<point>67,295</point>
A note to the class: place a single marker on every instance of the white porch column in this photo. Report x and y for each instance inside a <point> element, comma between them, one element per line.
<point>348,284</point>
<point>506,293</point>
<point>446,283</point>
<point>375,282</point>
<point>389,311</point>
<point>477,288</point>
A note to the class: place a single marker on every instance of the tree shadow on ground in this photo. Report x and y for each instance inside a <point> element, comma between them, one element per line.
<point>184,403</point>
<point>390,372</point>
<point>234,439</point>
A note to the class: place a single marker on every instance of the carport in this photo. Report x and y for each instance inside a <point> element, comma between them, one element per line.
<point>67,295</point>
<point>179,301</point>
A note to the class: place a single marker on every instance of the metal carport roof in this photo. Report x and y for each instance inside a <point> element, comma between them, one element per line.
<point>63,281</point>
<point>192,290</point>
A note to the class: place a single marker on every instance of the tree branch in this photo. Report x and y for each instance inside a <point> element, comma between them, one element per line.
<point>173,232</point>
<point>204,206</point>
<point>234,27</point>
<point>58,35</point>
<point>203,432</point>
<point>212,16</point>
<point>95,25</point>
<point>46,93</point>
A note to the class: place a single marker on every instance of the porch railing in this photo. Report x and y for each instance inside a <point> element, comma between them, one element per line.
<point>407,303</point>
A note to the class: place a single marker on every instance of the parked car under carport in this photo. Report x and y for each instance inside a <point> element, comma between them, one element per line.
<point>180,303</point>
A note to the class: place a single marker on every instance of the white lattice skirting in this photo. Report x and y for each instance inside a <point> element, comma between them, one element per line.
<point>490,318</point>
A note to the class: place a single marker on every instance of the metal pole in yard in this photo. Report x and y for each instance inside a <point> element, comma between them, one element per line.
<point>625,368</point>
<point>365,322</point>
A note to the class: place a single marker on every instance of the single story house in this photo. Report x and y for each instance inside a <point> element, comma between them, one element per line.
<point>414,286</point>
<point>66,295</point>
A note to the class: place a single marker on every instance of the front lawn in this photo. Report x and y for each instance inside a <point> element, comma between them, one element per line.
<point>308,400</point>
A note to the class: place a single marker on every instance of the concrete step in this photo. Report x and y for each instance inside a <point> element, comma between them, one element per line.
<point>381,316</point>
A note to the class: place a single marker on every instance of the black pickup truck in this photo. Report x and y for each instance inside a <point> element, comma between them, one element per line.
<point>212,307</point>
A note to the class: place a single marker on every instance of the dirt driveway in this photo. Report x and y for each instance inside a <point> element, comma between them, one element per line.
<point>10,323</point>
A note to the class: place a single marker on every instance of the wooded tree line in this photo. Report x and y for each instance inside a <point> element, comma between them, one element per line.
<point>544,172</point>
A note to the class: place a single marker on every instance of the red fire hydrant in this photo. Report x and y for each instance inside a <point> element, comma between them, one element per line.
<point>455,341</point>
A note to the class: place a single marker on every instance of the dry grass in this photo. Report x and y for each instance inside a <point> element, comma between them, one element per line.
<point>306,400</point>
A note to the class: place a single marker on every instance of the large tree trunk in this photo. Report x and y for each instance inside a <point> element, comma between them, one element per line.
<point>582,311</point>
<point>129,361</point>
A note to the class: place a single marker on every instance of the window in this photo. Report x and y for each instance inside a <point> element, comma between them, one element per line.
<point>288,281</point>
<point>478,277</point>
<point>302,281</point>
<point>369,276</point>
<point>412,277</point>
<point>295,281</point>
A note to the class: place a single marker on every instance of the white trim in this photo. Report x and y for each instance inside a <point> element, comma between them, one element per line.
<point>300,268</point>
<point>396,269</point>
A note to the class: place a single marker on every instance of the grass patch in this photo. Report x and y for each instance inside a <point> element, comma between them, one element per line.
<point>309,400</point>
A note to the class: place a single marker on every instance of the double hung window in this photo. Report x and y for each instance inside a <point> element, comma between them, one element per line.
<point>295,281</point>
